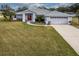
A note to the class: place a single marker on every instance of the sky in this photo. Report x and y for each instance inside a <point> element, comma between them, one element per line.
<point>35,5</point>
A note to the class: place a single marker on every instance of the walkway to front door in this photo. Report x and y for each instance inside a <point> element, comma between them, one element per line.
<point>70,34</point>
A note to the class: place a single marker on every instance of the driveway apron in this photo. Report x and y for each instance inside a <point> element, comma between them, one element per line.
<point>70,35</point>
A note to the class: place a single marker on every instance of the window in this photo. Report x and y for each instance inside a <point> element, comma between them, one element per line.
<point>19,16</point>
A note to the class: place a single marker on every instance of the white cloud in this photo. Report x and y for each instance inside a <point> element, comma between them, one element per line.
<point>60,5</point>
<point>35,5</point>
<point>65,4</point>
<point>53,6</point>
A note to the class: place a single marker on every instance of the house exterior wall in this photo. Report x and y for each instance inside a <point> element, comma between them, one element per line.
<point>23,19</point>
<point>47,19</point>
<point>33,17</point>
<point>19,16</point>
<point>69,20</point>
<point>24,16</point>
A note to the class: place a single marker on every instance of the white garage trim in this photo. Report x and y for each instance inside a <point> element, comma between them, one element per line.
<point>57,20</point>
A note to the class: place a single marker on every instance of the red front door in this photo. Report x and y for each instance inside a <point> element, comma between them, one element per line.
<point>29,17</point>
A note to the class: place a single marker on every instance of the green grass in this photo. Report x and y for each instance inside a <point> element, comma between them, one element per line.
<point>17,38</point>
<point>39,23</point>
<point>75,22</point>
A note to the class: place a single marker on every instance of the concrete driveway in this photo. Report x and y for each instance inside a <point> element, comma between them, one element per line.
<point>70,34</point>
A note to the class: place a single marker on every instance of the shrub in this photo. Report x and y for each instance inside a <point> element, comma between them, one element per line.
<point>40,18</point>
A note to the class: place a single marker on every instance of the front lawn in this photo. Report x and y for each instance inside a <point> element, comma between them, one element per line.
<point>17,38</point>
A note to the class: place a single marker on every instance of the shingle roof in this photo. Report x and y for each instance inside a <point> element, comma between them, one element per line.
<point>39,11</point>
<point>25,11</point>
<point>57,13</point>
<point>45,12</point>
<point>71,14</point>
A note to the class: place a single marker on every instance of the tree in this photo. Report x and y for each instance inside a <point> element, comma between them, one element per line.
<point>62,9</point>
<point>42,7</point>
<point>74,7</point>
<point>40,18</point>
<point>52,9</point>
<point>77,14</point>
<point>7,11</point>
<point>70,8</point>
<point>22,8</point>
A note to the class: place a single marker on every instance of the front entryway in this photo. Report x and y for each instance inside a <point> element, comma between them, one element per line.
<point>29,17</point>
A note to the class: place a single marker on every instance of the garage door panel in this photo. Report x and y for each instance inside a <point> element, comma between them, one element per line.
<point>59,20</point>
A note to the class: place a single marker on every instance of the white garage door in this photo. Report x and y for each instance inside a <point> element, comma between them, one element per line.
<point>59,20</point>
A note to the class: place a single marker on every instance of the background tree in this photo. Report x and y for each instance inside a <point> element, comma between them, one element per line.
<point>62,9</point>
<point>22,8</point>
<point>42,7</point>
<point>7,12</point>
<point>52,9</point>
<point>74,7</point>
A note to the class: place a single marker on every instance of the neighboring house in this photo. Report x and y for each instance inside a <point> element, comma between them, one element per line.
<point>52,17</point>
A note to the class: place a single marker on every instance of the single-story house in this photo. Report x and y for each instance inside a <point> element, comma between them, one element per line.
<point>54,17</point>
